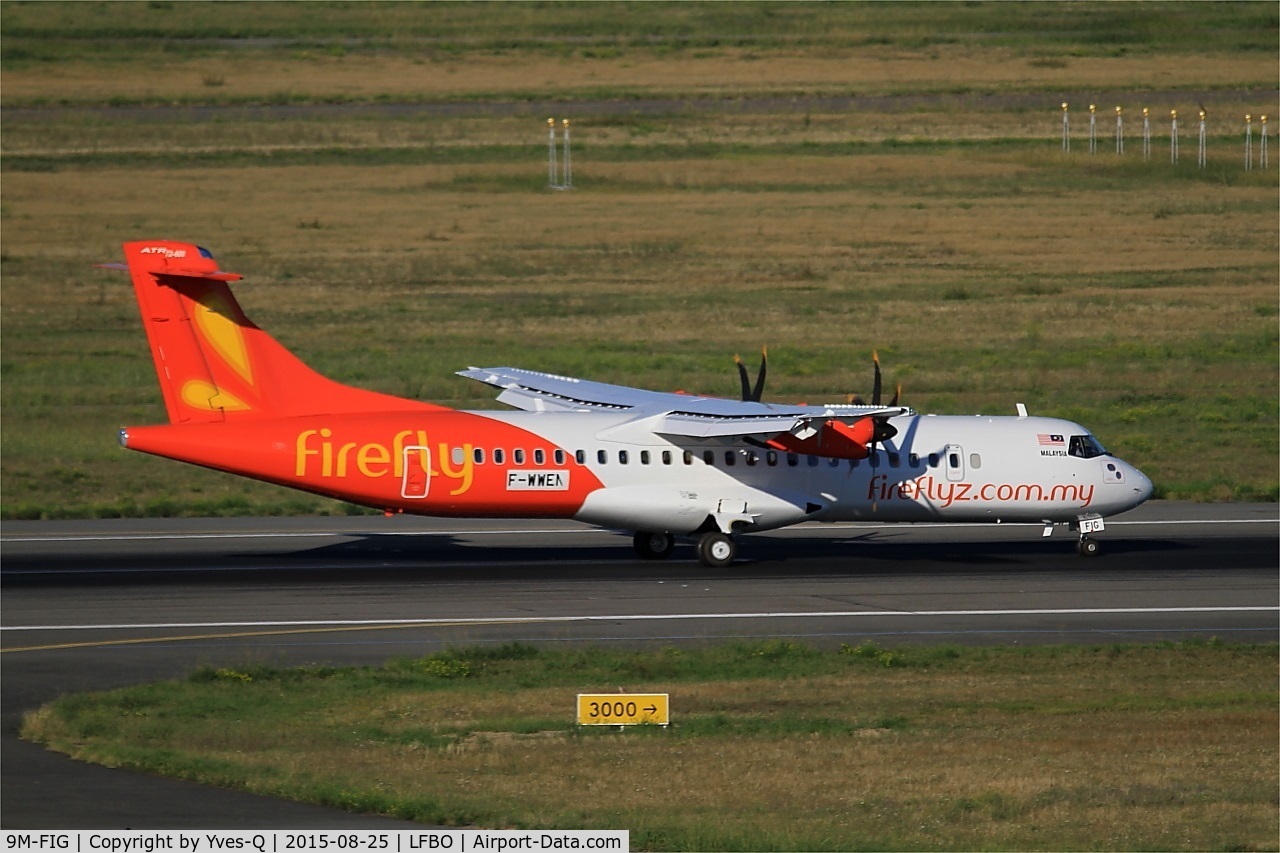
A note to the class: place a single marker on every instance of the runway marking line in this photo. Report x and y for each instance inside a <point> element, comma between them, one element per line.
<point>137,641</point>
<point>326,626</point>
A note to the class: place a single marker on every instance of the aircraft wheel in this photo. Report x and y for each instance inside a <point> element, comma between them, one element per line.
<point>716,550</point>
<point>654,546</point>
<point>1088,548</point>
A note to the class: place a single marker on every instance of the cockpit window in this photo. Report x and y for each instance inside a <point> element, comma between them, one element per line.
<point>1085,446</point>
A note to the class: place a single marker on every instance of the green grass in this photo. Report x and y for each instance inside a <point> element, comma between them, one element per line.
<point>44,32</point>
<point>774,745</point>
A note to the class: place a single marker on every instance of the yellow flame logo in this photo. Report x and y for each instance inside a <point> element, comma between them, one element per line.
<point>213,318</point>
<point>201,395</point>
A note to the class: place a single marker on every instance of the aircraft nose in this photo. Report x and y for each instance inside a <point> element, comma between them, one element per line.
<point>1141,485</point>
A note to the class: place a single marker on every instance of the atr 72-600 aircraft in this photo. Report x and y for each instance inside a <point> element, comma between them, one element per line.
<point>663,465</point>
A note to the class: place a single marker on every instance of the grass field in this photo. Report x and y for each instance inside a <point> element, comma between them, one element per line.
<point>942,226</point>
<point>773,746</point>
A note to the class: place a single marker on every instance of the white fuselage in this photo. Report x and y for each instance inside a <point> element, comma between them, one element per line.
<point>944,468</point>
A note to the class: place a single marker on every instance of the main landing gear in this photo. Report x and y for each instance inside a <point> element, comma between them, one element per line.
<point>654,546</point>
<point>715,549</point>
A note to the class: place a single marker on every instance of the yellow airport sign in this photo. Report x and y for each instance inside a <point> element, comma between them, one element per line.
<point>623,709</point>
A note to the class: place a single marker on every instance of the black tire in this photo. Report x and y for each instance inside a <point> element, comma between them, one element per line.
<point>716,550</point>
<point>1088,548</point>
<point>654,546</point>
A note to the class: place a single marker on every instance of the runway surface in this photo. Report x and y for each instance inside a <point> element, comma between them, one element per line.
<point>92,605</point>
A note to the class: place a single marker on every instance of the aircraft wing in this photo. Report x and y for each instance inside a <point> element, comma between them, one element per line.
<point>669,413</point>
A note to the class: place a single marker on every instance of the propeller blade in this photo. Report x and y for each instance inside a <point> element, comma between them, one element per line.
<point>744,379</point>
<point>753,394</point>
<point>758,392</point>
<point>875,390</point>
<point>883,430</point>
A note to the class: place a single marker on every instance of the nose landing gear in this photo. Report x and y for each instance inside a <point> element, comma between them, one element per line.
<point>1087,547</point>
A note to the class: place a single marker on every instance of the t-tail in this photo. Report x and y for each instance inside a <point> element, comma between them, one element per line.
<point>213,363</point>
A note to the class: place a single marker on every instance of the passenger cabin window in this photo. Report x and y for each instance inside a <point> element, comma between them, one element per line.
<point>517,456</point>
<point>644,457</point>
<point>539,457</point>
<point>913,460</point>
<point>1085,446</point>
<point>709,457</point>
<point>623,457</point>
<point>729,458</point>
<point>895,460</point>
<point>975,460</point>
<point>933,460</point>
<point>499,456</point>
<point>602,456</point>
<point>559,456</point>
<point>478,455</point>
<point>580,456</point>
<point>666,457</point>
<point>953,460</point>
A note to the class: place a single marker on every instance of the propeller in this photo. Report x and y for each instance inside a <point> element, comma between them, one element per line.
<point>753,394</point>
<point>883,430</point>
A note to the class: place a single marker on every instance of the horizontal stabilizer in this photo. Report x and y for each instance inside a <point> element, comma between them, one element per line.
<point>177,276</point>
<point>174,274</point>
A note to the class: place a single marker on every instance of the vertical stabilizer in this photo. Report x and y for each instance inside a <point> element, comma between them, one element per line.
<point>213,363</point>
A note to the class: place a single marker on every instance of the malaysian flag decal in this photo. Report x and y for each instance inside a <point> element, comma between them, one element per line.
<point>1049,440</point>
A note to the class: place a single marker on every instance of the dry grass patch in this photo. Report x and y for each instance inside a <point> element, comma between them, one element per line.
<point>724,72</point>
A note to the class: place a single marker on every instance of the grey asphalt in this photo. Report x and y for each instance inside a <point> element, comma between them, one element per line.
<point>97,604</point>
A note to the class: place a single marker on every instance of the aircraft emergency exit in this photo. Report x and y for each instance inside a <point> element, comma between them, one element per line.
<point>662,465</point>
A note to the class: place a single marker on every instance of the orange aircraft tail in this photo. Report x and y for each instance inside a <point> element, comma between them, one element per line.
<point>213,363</point>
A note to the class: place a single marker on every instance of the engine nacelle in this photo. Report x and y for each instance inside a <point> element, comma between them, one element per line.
<point>835,439</point>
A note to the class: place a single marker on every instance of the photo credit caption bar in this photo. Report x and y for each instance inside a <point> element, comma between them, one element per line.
<point>283,841</point>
